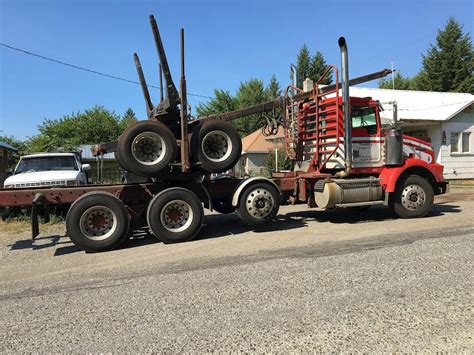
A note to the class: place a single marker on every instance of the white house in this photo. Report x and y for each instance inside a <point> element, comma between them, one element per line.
<point>446,119</point>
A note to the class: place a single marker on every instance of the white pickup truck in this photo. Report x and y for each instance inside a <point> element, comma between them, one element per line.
<point>48,169</point>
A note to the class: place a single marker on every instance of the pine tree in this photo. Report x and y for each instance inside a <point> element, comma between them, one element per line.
<point>448,65</point>
<point>128,119</point>
<point>401,82</point>
<point>318,67</point>
<point>311,67</point>
<point>273,89</point>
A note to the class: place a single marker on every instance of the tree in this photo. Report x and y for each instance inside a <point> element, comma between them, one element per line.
<point>448,65</point>
<point>311,66</point>
<point>401,82</point>
<point>249,93</point>
<point>223,101</point>
<point>317,69</point>
<point>128,119</point>
<point>273,89</point>
<point>94,125</point>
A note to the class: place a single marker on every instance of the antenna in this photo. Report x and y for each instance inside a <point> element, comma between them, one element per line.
<point>393,78</point>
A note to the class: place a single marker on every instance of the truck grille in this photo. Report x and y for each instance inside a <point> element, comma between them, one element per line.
<point>46,183</point>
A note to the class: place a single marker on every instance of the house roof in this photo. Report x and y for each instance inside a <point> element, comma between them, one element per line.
<point>418,105</point>
<point>257,142</point>
<point>86,153</point>
<point>7,146</point>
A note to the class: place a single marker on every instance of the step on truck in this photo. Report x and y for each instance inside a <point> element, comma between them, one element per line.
<point>340,154</point>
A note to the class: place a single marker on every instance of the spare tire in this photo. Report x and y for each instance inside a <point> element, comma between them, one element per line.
<point>146,148</point>
<point>216,145</point>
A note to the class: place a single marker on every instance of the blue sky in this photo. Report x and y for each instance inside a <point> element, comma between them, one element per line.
<point>226,42</point>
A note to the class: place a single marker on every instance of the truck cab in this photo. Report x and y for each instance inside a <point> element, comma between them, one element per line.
<point>48,169</point>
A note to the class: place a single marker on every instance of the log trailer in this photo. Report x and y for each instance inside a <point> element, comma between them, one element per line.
<point>342,157</point>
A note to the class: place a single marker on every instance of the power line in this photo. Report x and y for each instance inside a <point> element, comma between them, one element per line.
<point>86,69</point>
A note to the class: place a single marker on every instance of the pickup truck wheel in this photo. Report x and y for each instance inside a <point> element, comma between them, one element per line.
<point>146,148</point>
<point>217,145</point>
<point>258,204</point>
<point>413,198</point>
<point>97,221</point>
<point>175,215</point>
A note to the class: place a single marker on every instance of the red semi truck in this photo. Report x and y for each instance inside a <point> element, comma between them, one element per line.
<point>342,157</point>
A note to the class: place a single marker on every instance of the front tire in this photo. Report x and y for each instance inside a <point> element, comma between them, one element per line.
<point>258,204</point>
<point>413,198</point>
<point>175,215</point>
<point>97,221</point>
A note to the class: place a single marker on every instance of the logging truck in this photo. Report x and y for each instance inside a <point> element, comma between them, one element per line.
<point>341,156</point>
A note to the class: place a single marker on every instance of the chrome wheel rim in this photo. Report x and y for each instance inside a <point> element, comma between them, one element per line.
<point>98,223</point>
<point>148,148</point>
<point>176,216</point>
<point>259,203</point>
<point>216,146</point>
<point>413,197</point>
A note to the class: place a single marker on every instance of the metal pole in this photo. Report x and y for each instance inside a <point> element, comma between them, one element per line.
<point>185,166</point>
<point>161,83</point>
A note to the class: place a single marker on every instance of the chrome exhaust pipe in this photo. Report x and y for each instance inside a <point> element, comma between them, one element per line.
<point>346,108</point>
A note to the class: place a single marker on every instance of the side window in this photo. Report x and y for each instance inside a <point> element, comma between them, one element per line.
<point>364,117</point>
<point>466,142</point>
<point>454,142</point>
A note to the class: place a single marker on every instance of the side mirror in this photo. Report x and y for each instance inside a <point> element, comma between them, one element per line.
<point>86,167</point>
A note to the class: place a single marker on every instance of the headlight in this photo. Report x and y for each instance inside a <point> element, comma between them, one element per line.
<point>9,186</point>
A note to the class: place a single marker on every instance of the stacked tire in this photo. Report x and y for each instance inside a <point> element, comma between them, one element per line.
<point>147,148</point>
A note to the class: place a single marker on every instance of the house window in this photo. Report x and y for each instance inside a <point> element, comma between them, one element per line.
<point>460,142</point>
<point>454,142</point>
<point>466,142</point>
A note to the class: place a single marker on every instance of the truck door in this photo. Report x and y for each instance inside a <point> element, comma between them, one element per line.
<point>367,142</point>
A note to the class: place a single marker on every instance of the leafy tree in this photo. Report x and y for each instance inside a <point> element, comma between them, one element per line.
<point>128,119</point>
<point>401,82</point>
<point>94,125</point>
<point>448,65</point>
<point>311,66</point>
<point>249,93</point>
<point>223,101</point>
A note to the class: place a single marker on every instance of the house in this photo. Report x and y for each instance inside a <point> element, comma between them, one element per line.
<point>5,150</point>
<point>111,171</point>
<point>443,118</point>
<point>256,148</point>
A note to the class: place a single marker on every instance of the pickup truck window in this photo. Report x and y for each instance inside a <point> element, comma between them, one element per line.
<point>45,164</point>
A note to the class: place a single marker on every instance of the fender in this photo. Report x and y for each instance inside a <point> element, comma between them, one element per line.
<point>247,182</point>
<point>390,175</point>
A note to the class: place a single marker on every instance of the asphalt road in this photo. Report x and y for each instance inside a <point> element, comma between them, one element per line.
<point>310,281</point>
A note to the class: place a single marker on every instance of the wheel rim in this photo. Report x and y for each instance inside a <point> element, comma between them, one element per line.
<point>413,197</point>
<point>216,146</point>
<point>148,148</point>
<point>259,203</point>
<point>176,216</point>
<point>98,223</point>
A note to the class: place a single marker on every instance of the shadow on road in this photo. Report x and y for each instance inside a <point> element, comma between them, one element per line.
<point>217,226</point>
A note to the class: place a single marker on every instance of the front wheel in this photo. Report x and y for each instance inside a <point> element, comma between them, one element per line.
<point>258,204</point>
<point>175,215</point>
<point>413,198</point>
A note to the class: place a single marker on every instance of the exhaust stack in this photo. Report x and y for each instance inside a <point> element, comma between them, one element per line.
<point>346,108</point>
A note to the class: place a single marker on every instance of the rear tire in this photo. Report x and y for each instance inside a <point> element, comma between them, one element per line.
<point>258,204</point>
<point>413,197</point>
<point>97,221</point>
<point>175,215</point>
<point>217,145</point>
<point>146,148</point>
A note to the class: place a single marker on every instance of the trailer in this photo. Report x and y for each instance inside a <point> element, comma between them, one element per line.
<point>342,157</point>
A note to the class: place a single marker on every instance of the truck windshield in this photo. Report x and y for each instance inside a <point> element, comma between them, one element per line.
<point>45,164</point>
<point>364,117</point>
